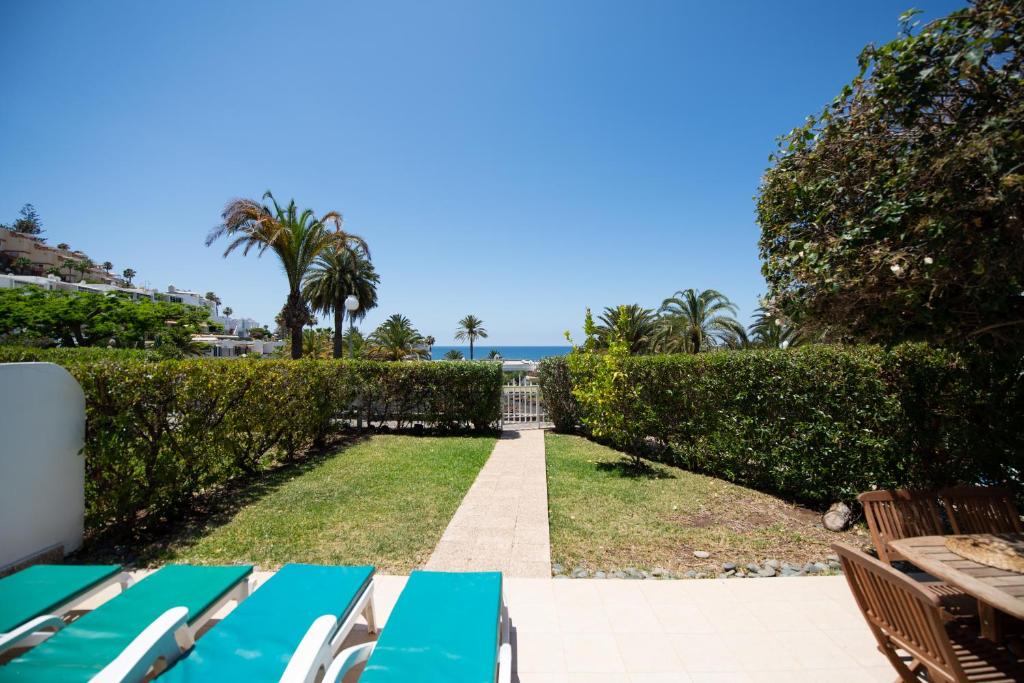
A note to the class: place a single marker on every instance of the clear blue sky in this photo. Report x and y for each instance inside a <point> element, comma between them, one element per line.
<point>517,160</point>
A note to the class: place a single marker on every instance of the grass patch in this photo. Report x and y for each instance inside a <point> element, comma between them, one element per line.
<point>384,501</point>
<point>607,516</point>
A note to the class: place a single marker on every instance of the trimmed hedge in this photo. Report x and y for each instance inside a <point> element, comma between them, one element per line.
<point>817,423</point>
<point>160,432</point>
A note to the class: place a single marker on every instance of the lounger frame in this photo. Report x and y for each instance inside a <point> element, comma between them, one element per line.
<point>38,629</point>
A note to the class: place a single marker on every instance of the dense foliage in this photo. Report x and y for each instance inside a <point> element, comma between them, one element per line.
<point>73,319</point>
<point>898,212</point>
<point>159,432</point>
<point>818,423</point>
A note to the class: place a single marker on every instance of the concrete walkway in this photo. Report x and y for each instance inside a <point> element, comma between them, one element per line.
<point>502,524</point>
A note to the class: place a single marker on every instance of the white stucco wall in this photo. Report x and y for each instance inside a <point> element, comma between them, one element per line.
<point>42,471</point>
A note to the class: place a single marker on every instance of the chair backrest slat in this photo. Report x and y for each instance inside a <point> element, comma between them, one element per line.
<point>981,510</point>
<point>892,515</point>
<point>900,613</point>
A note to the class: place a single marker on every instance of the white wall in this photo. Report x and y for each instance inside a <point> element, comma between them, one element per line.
<point>42,471</point>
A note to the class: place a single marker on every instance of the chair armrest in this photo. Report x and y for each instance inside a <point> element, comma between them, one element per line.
<point>313,653</point>
<point>347,659</point>
<point>28,634</point>
<point>161,643</point>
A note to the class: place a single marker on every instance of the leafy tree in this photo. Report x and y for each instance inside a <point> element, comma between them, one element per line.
<point>453,354</point>
<point>128,274</point>
<point>342,270</point>
<point>471,328</point>
<point>297,238</point>
<point>898,212</point>
<point>396,338</point>
<point>692,321</point>
<point>71,319</point>
<point>63,246</point>
<point>53,270</point>
<point>258,332</point>
<point>28,222</point>
<point>630,323</point>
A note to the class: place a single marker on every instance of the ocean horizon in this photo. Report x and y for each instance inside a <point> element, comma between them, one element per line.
<point>481,351</point>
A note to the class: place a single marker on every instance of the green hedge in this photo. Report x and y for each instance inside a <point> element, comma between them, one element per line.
<point>817,423</point>
<point>159,432</point>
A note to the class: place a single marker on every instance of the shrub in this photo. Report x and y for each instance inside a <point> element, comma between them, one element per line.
<point>556,387</point>
<point>821,423</point>
<point>160,432</point>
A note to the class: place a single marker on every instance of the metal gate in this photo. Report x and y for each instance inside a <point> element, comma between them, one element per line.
<point>522,405</point>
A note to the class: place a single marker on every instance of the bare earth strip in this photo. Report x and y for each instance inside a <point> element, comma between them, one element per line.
<point>502,524</point>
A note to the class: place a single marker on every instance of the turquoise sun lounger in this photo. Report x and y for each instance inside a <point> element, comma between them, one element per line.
<point>85,649</point>
<point>287,630</point>
<point>34,600</point>
<point>446,627</point>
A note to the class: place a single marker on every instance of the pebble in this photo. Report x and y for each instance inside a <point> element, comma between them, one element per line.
<point>600,575</point>
<point>729,567</point>
<point>701,554</point>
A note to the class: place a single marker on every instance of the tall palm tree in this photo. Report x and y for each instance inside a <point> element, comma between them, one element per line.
<point>343,269</point>
<point>107,267</point>
<point>128,274</point>
<point>471,328</point>
<point>694,321</point>
<point>633,323</point>
<point>396,338</point>
<point>429,341</point>
<point>354,340</point>
<point>297,238</point>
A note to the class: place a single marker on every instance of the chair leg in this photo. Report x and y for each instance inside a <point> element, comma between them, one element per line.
<point>906,674</point>
<point>371,617</point>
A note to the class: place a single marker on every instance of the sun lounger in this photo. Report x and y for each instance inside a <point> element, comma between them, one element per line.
<point>289,629</point>
<point>89,648</point>
<point>33,601</point>
<point>450,627</point>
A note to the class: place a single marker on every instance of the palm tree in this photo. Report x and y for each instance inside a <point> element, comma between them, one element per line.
<point>107,267</point>
<point>772,332</point>
<point>692,321</point>
<point>354,340</point>
<point>493,355</point>
<point>453,354</point>
<point>429,341</point>
<point>128,274</point>
<point>63,246</point>
<point>22,264</point>
<point>471,328</point>
<point>228,311</point>
<point>297,238</point>
<point>339,271</point>
<point>84,265</point>
<point>633,323</point>
<point>396,338</point>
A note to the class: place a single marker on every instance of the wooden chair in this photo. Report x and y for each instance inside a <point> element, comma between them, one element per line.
<point>981,510</point>
<point>892,515</point>
<point>904,616</point>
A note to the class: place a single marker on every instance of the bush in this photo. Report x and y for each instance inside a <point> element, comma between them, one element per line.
<point>160,432</point>
<point>556,387</point>
<point>821,423</point>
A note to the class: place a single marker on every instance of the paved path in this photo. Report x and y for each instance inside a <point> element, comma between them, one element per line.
<point>502,523</point>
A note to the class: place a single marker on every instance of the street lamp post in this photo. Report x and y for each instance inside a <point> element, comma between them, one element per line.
<point>351,305</point>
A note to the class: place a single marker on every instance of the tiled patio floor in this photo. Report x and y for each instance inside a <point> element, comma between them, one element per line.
<point>502,523</point>
<point>594,631</point>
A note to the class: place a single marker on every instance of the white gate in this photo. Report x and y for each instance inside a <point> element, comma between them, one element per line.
<point>522,404</point>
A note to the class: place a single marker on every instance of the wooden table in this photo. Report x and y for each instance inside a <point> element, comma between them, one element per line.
<point>997,590</point>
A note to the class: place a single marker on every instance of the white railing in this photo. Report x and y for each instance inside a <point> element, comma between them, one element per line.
<point>522,404</point>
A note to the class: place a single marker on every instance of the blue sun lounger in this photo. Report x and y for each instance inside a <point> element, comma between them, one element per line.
<point>446,627</point>
<point>90,648</point>
<point>289,629</point>
<point>33,601</point>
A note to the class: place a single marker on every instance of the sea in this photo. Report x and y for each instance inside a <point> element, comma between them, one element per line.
<point>480,351</point>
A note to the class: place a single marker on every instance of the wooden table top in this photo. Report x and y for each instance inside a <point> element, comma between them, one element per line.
<point>999,588</point>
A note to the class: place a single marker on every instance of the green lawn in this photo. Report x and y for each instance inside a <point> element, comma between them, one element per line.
<point>603,518</point>
<point>384,501</point>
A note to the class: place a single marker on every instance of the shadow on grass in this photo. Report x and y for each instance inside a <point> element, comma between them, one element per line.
<point>150,542</point>
<point>627,467</point>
